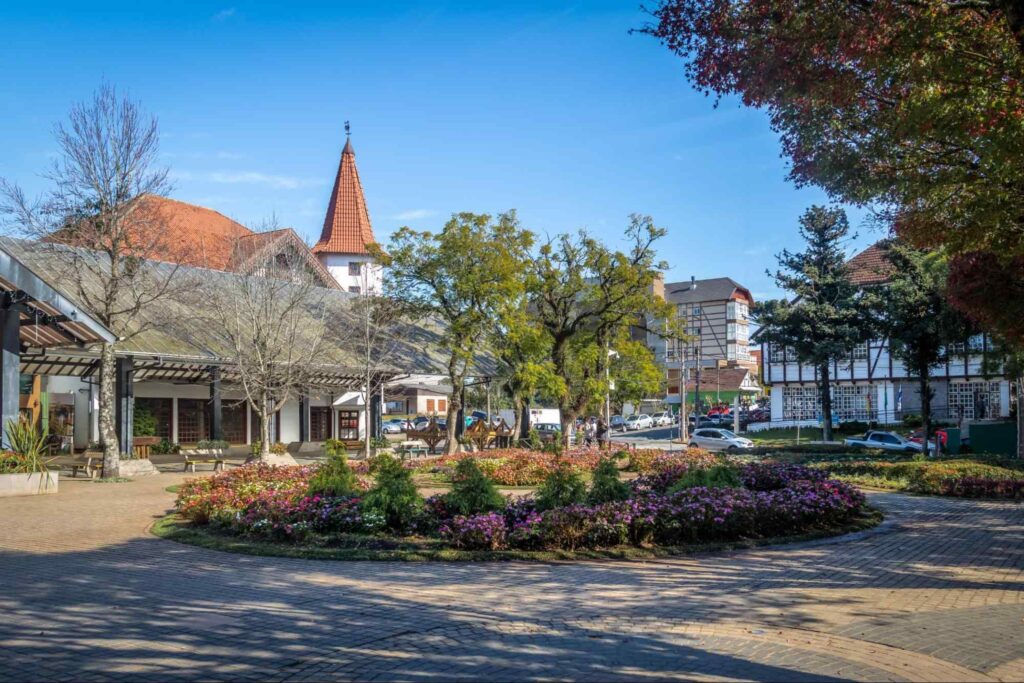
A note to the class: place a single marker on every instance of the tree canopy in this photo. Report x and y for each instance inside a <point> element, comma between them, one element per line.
<point>916,105</point>
<point>465,275</point>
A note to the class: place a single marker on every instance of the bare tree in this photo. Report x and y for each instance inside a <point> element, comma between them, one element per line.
<point>273,324</point>
<point>105,169</point>
<point>378,341</point>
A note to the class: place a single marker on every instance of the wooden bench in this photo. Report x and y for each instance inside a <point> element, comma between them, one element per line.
<point>206,457</point>
<point>90,463</point>
<point>412,449</point>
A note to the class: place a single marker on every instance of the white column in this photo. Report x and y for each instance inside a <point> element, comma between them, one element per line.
<point>174,419</point>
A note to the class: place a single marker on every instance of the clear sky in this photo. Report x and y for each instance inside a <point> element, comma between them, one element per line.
<point>551,108</point>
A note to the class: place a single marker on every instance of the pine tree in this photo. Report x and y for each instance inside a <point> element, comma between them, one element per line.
<point>826,316</point>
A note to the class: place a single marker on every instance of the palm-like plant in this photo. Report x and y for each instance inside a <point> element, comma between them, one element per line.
<point>27,445</point>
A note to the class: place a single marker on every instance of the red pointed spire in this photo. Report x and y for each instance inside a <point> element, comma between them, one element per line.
<point>347,228</point>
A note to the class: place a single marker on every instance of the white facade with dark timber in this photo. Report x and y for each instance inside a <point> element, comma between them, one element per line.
<point>872,384</point>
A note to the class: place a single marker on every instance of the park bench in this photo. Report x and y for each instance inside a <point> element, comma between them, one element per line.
<point>412,449</point>
<point>90,463</point>
<point>204,456</point>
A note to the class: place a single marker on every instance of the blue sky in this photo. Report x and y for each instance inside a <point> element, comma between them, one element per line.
<point>551,108</point>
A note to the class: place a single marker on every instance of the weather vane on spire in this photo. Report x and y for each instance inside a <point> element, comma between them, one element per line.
<point>348,129</point>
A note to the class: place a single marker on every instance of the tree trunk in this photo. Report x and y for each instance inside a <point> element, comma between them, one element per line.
<point>108,414</point>
<point>926,405</point>
<point>517,408</point>
<point>826,403</point>
<point>451,444</point>
<point>1020,416</point>
<point>368,413</point>
<point>567,418</point>
<point>264,432</point>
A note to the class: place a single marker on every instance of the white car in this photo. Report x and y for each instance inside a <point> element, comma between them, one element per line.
<point>718,440</point>
<point>638,422</point>
<point>887,441</point>
<point>662,419</point>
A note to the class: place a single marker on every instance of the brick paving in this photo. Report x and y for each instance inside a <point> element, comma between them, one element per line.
<point>934,594</point>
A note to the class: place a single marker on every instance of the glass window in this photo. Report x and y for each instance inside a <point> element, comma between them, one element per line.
<point>730,352</point>
<point>851,401</point>
<point>355,289</point>
<point>355,268</point>
<point>976,343</point>
<point>730,331</point>
<point>161,410</point>
<point>348,424</point>
<point>319,423</point>
<point>973,400</point>
<point>800,402</point>
<point>860,352</point>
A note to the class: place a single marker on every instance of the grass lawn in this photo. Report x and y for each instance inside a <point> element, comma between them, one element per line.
<point>418,549</point>
<point>783,436</point>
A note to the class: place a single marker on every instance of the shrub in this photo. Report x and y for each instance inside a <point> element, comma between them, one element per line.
<point>717,477</point>
<point>27,446</point>
<point>472,493</point>
<point>478,532</point>
<point>143,422</point>
<point>393,495</point>
<point>334,447</point>
<point>642,459</point>
<point>562,487</point>
<point>776,476</point>
<point>278,448</point>
<point>912,421</point>
<point>165,447</point>
<point>333,477</point>
<point>606,486</point>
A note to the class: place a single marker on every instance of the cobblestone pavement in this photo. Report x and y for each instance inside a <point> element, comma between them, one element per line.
<point>933,594</point>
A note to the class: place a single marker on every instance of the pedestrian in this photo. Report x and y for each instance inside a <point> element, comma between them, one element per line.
<point>602,433</point>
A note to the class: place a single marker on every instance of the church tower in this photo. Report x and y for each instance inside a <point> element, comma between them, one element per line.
<point>347,233</point>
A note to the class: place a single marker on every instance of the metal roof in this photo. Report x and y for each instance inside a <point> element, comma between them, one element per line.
<point>48,318</point>
<point>172,338</point>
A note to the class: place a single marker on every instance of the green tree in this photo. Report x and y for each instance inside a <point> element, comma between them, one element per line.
<point>635,373</point>
<point>462,275</point>
<point>524,362</point>
<point>826,316</point>
<point>917,316</point>
<point>585,297</point>
<point>472,492</point>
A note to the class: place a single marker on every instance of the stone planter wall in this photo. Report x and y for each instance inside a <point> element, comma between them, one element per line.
<point>28,484</point>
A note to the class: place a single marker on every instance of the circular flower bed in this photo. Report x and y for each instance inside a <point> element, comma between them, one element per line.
<point>660,509</point>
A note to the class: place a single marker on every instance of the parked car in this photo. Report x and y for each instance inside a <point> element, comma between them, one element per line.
<point>548,431</point>
<point>887,441</point>
<point>637,422</point>
<point>697,423</point>
<point>662,419</point>
<point>618,423</point>
<point>718,440</point>
<point>917,436</point>
<point>395,426</point>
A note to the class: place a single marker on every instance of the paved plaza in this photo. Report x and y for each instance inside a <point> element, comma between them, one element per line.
<point>935,594</point>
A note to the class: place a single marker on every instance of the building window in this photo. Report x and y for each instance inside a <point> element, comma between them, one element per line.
<point>800,403</point>
<point>430,405</point>
<point>442,405</point>
<point>852,401</point>
<point>232,421</point>
<point>730,352</point>
<point>973,400</point>
<point>193,420</point>
<point>976,344</point>
<point>355,268</point>
<point>778,353</point>
<point>160,409</point>
<point>860,352</point>
<point>348,424</point>
<point>355,289</point>
<point>737,310</point>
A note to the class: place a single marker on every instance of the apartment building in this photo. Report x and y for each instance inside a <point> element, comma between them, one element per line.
<point>716,317</point>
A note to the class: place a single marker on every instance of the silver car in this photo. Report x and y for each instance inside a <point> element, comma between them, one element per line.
<point>718,440</point>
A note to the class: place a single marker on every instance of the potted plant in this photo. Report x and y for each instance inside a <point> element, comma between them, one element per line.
<point>23,468</point>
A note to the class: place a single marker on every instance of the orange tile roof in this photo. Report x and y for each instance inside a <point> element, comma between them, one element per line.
<point>869,267</point>
<point>258,247</point>
<point>347,228</point>
<point>195,235</point>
